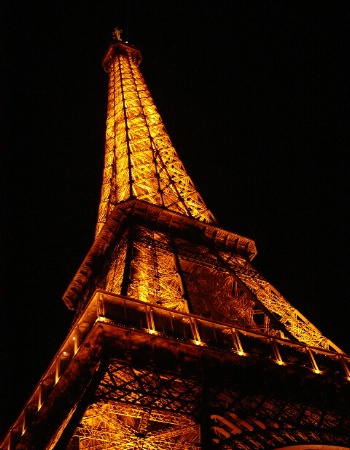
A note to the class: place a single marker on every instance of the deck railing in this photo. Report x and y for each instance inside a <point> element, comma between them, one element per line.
<point>168,324</point>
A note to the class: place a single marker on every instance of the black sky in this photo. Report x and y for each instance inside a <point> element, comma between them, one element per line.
<point>255,96</point>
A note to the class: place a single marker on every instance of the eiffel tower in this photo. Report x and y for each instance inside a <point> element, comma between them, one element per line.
<point>177,342</point>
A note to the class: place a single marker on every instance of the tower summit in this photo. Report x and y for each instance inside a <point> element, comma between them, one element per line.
<point>140,160</point>
<point>177,342</point>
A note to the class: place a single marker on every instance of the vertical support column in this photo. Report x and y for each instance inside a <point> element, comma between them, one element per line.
<point>181,274</point>
<point>66,439</point>
<point>100,305</point>
<point>313,361</point>
<point>195,332</point>
<point>237,342</point>
<point>40,396</point>
<point>76,341</point>
<point>276,352</point>
<point>150,320</point>
<point>57,369</point>
<point>24,421</point>
<point>128,258</point>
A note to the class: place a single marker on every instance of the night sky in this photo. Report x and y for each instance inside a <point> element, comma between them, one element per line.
<point>255,97</point>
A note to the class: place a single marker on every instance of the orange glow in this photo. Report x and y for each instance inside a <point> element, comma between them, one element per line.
<point>140,161</point>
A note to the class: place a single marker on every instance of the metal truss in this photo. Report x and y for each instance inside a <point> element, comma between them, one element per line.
<point>149,388</point>
<point>158,283</point>
<point>259,422</point>
<point>295,322</point>
<point>168,272</point>
<point>248,299</point>
<point>154,275</point>
<point>183,276</point>
<point>176,372</point>
<point>145,260</point>
<point>111,425</point>
<point>141,409</point>
<point>116,268</point>
<point>140,161</point>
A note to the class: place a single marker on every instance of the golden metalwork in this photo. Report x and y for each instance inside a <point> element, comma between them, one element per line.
<point>295,322</point>
<point>117,425</point>
<point>140,160</point>
<point>178,342</point>
<point>143,403</point>
<point>141,163</point>
<point>155,278</point>
<point>134,410</point>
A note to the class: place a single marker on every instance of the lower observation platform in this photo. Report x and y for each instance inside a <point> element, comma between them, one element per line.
<point>125,328</point>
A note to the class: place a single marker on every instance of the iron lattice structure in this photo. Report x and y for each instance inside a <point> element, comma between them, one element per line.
<point>177,342</point>
<point>140,160</point>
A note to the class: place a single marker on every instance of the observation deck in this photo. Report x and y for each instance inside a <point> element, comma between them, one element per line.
<point>125,326</point>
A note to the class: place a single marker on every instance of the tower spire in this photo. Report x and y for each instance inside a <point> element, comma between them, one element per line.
<point>140,160</point>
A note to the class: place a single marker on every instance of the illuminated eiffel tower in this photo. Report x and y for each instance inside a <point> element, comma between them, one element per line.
<point>177,342</point>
